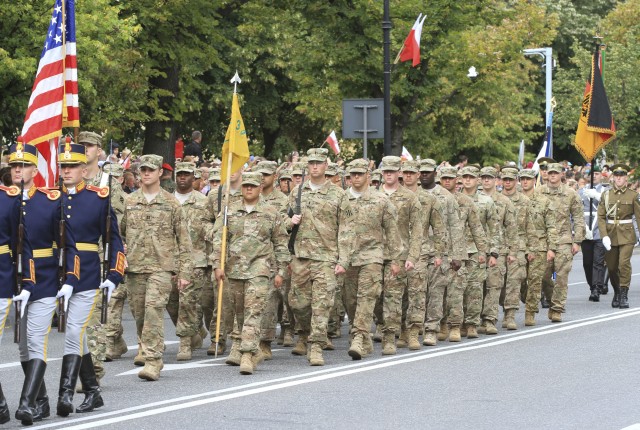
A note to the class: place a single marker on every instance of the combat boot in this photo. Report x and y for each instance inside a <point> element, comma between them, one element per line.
<point>329,346</point>
<point>544,303</point>
<point>595,294</point>
<point>463,330</point>
<point>403,339</point>
<point>389,344</point>
<point>377,337</point>
<point>139,358</point>
<point>472,333</point>
<point>490,328</point>
<point>509,319</point>
<point>603,289</point>
<point>33,378</point>
<point>430,338</point>
<point>265,348</point>
<point>111,346</point>
<point>615,303</point>
<point>222,347</point>
<point>196,341</point>
<point>555,316</point>
<point>152,368</point>
<point>184,353</point>
<point>315,355</point>
<point>414,342</point>
<point>68,377</point>
<point>483,327</point>
<point>288,337</point>
<point>529,318</point>
<point>624,297</point>
<point>301,345</point>
<point>356,351</point>
<point>234,355</point>
<point>246,364</point>
<point>5,415</point>
<point>443,334</point>
<point>90,386</point>
<point>454,334</point>
<point>367,344</point>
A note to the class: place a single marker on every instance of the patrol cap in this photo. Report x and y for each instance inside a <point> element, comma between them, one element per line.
<point>489,171</point>
<point>554,167</point>
<point>297,169</point>
<point>411,166</point>
<point>197,174</point>
<point>89,138</point>
<point>114,169</point>
<point>267,167</point>
<point>285,174</point>
<point>428,165</point>
<point>448,172</point>
<point>23,154</point>
<point>545,161</point>
<point>390,163</point>
<point>317,154</point>
<point>528,173</point>
<point>151,161</point>
<point>620,169</point>
<point>470,170</point>
<point>359,165</point>
<point>376,175</point>
<point>185,166</point>
<point>72,153</point>
<point>332,170</point>
<point>214,174</point>
<point>509,172</point>
<point>252,178</point>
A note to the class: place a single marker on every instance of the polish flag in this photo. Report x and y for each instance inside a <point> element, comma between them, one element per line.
<point>332,140</point>
<point>411,48</point>
<point>406,155</point>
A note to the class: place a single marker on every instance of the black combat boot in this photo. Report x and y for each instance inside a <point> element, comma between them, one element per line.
<point>624,299</point>
<point>90,386</point>
<point>34,374</point>
<point>5,415</point>
<point>604,289</point>
<point>595,294</point>
<point>68,379</point>
<point>543,302</point>
<point>615,303</point>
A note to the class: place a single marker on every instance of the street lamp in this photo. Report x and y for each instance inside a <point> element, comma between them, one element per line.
<point>546,54</point>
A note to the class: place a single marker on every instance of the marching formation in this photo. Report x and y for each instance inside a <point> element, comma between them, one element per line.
<point>412,254</point>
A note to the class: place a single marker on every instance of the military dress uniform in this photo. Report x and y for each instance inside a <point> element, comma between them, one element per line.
<point>617,208</point>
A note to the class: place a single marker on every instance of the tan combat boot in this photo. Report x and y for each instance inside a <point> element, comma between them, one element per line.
<point>454,334</point>
<point>139,358</point>
<point>184,353</point>
<point>367,344</point>
<point>403,340</point>
<point>301,345</point>
<point>315,355</point>
<point>356,351</point>
<point>152,368</point>
<point>265,348</point>
<point>246,364</point>
<point>329,346</point>
<point>120,348</point>
<point>443,334</point>
<point>196,341</point>
<point>111,349</point>
<point>509,320</point>
<point>490,328</point>
<point>389,344</point>
<point>529,319</point>
<point>288,337</point>
<point>430,338</point>
<point>472,333</point>
<point>413,341</point>
<point>483,327</point>
<point>556,317</point>
<point>234,355</point>
<point>377,337</point>
<point>463,330</point>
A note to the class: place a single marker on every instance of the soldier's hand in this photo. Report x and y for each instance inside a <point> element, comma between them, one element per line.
<point>493,261</point>
<point>482,259</point>
<point>456,265</point>
<point>409,266</point>
<point>219,275</point>
<point>395,269</point>
<point>437,262</point>
<point>511,259</point>
<point>277,282</point>
<point>23,298</point>
<point>295,220</point>
<point>575,248</point>
<point>532,256</point>
<point>551,255</point>
<point>182,284</point>
<point>65,292</point>
<point>606,242</point>
<point>339,269</point>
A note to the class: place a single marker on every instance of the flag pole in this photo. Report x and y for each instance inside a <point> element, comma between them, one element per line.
<point>591,173</point>
<point>223,249</point>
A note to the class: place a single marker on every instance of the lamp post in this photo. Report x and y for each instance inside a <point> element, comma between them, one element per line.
<point>546,54</point>
<point>386,30</point>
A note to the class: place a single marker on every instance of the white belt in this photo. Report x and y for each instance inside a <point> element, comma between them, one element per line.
<point>619,221</point>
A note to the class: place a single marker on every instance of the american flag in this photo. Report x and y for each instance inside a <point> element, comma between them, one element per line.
<point>54,97</point>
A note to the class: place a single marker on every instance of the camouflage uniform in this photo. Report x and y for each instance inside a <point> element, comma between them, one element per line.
<point>158,247</point>
<point>570,228</point>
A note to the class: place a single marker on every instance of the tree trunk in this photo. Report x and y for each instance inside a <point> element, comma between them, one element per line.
<point>269,137</point>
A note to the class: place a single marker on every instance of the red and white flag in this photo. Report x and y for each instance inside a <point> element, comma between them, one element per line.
<point>54,97</point>
<point>332,140</point>
<point>406,155</point>
<point>411,48</point>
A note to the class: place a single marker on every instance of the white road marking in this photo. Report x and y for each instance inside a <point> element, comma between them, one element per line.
<point>325,374</point>
<point>181,366</point>
<point>633,427</point>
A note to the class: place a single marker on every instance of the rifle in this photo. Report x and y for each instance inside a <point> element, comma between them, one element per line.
<point>298,211</point>
<point>19,266</point>
<point>106,260</point>
<point>62,265</point>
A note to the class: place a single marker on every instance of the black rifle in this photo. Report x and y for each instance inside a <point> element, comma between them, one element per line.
<point>62,264</point>
<point>106,261</point>
<point>298,211</point>
<point>19,266</point>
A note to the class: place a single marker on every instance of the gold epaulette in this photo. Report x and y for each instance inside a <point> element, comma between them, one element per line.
<point>102,192</point>
<point>11,191</point>
<point>51,193</point>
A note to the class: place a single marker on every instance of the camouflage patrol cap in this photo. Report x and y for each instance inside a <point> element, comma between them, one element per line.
<point>317,154</point>
<point>359,165</point>
<point>448,172</point>
<point>267,167</point>
<point>509,172</point>
<point>470,170</point>
<point>528,173</point>
<point>197,174</point>
<point>554,167</point>
<point>114,169</point>
<point>152,161</point>
<point>252,178</point>
<point>285,174</point>
<point>411,166</point>
<point>90,138</point>
<point>214,174</point>
<point>332,170</point>
<point>185,166</point>
<point>390,163</point>
<point>297,169</point>
<point>489,171</point>
<point>428,165</point>
<point>376,175</point>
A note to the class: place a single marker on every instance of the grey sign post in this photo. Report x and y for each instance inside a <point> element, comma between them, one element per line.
<point>363,118</point>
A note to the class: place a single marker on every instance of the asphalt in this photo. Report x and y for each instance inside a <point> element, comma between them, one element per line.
<point>583,373</point>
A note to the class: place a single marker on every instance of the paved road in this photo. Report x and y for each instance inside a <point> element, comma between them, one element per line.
<point>583,373</point>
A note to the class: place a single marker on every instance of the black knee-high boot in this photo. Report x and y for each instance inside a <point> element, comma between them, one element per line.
<point>68,378</point>
<point>34,374</point>
<point>90,386</point>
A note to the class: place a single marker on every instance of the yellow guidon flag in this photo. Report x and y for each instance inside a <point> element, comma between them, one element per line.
<point>235,144</point>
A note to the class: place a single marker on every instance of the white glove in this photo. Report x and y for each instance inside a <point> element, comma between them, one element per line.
<point>23,298</point>
<point>588,234</point>
<point>110,286</point>
<point>65,292</point>
<point>592,194</point>
<point>607,243</point>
